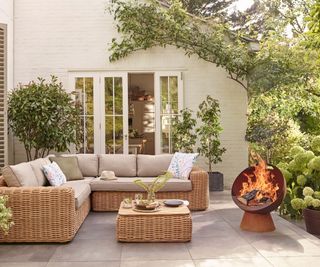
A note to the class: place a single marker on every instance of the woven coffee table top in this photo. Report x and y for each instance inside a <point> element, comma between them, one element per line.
<point>163,210</point>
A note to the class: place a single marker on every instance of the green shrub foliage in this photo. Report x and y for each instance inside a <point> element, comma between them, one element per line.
<point>5,215</point>
<point>183,136</point>
<point>209,131</point>
<point>301,170</point>
<point>43,116</point>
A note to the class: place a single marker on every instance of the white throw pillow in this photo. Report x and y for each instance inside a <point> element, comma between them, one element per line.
<point>181,164</point>
<point>54,174</point>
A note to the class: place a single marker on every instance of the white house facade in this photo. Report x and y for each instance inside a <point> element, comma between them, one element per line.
<point>128,105</point>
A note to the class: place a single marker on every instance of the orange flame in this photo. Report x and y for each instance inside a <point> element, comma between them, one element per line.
<point>261,180</point>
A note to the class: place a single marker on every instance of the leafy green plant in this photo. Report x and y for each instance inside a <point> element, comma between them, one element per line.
<point>301,169</point>
<point>183,136</point>
<point>5,215</point>
<point>144,25</point>
<point>44,117</point>
<point>313,20</point>
<point>209,131</point>
<point>270,136</point>
<point>311,200</point>
<point>155,186</point>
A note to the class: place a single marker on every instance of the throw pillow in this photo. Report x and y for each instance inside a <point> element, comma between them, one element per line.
<point>69,166</point>
<point>181,164</point>
<point>19,175</point>
<point>54,174</point>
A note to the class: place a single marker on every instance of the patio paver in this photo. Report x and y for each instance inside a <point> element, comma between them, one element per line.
<point>217,241</point>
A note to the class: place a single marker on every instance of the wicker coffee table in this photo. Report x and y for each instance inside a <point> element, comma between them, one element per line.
<point>166,225</point>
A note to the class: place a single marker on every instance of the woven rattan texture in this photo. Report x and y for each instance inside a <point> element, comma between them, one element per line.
<point>198,197</point>
<point>43,214</point>
<point>154,228</point>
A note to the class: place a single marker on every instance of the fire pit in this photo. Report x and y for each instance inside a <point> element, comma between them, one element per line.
<point>258,190</point>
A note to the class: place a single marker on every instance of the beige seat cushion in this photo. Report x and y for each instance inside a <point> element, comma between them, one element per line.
<point>19,175</point>
<point>126,184</point>
<point>153,165</point>
<point>37,169</point>
<point>88,164</point>
<point>81,191</point>
<point>88,180</point>
<point>121,165</point>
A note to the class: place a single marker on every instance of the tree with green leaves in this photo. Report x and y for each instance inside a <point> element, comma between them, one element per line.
<point>183,136</point>
<point>271,136</point>
<point>43,116</point>
<point>314,25</point>
<point>209,131</point>
<point>145,25</point>
<point>282,69</point>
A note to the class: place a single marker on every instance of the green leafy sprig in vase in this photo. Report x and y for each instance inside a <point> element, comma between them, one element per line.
<point>155,186</point>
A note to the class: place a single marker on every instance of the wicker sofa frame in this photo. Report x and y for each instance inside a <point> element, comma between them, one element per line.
<point>198,197</point>
<point>48,214</point>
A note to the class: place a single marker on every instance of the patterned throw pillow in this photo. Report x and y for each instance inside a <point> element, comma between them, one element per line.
<point>54,174</point>
<point>181,164</point>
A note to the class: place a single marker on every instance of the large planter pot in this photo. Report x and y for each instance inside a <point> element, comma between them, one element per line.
<point>312,220</point>
<point>215,181</point>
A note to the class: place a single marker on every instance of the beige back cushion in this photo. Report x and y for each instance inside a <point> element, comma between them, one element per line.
<point>36,166</point>
<point>88,164</point>
<point>69,166</point>
<point>153,165</point>
<point>20,175</point>
<point>122,165</point>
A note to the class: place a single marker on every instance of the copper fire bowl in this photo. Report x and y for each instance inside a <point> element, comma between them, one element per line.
<point>263,209</point>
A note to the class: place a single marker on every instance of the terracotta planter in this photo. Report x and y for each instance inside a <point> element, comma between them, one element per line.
<point>312,220</point>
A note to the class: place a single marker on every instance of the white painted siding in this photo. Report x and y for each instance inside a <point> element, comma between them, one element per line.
<point>57,36</point>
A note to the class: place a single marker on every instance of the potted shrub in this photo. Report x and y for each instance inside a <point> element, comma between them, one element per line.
<point>310,206</point>
<point>43,116</point>
<point>209,133</point>
<point>5,215</point>
<point>183,136</point>
<point>301,168</point>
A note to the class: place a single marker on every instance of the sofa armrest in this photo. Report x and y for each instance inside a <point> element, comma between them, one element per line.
<point>39,213</point>
<point>200,188</point>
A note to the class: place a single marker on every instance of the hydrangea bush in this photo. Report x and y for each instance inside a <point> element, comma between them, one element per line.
<point>5,215</point>
<point>311,200</point>
<point>301,170</point>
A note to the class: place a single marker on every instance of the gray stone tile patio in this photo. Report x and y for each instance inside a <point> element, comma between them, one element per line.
<point>217,241</point>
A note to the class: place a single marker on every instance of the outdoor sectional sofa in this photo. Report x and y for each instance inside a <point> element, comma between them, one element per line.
<point>43,213</point>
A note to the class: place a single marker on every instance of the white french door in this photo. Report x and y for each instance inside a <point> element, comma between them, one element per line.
<point>103,98</point>
<point>169,102</point>
<point>113,117</point>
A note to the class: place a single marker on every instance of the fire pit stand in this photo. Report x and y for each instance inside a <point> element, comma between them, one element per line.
<point>255,222</point>
<point>257,218</point>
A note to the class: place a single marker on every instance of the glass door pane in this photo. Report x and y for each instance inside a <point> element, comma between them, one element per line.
<point>169,109</point>
<point>114,115</point>
<point>169,103</point>
<point>84,98</point>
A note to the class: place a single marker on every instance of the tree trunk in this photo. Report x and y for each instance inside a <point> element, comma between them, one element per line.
<point>268,156</point>
<point>28,152</point>
<point>36,154</point>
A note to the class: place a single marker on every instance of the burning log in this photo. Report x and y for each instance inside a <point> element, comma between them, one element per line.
<point>265,200</point>
<point>244,199</point>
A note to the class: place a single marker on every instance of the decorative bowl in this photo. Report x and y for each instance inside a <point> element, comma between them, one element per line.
<point>146,205</point>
